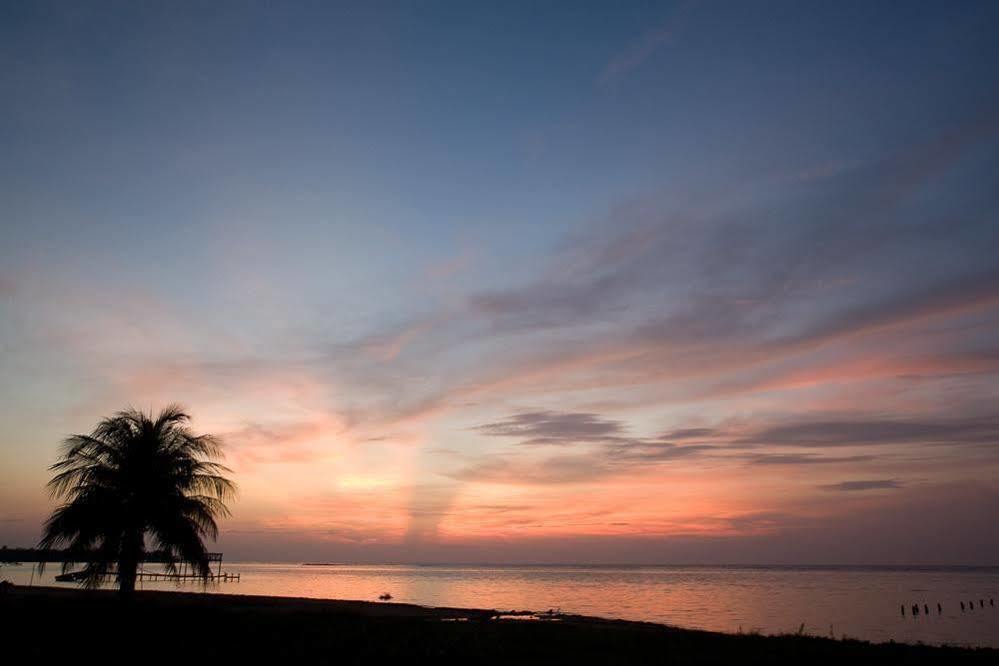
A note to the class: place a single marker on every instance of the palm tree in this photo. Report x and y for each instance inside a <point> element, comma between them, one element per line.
<point>135,477</point>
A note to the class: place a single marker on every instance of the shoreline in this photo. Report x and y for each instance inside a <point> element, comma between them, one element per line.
<point>332,630</point>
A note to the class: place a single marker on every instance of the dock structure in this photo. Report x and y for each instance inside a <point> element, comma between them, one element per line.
<point>221,577</point>
<point>224,577</point>
<point>182,572</point>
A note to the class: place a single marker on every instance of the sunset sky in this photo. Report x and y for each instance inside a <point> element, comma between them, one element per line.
<point>541,282</point>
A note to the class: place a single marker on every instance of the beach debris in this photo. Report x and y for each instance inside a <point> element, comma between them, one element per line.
<point>529,617</point>
<point>550,615</point>
<point>384,597</point>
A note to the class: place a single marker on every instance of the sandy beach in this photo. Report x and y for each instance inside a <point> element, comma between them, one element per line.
<point>49,625</point>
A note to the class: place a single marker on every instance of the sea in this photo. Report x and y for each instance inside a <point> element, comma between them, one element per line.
<point>864,602</point>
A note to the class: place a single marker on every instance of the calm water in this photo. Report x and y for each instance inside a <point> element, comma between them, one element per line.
<point>861,602</point>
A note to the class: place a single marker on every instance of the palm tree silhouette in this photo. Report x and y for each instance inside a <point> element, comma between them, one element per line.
<point>132,477</point>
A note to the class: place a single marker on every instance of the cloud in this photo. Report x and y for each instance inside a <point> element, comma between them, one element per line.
<point>563,469</point>
<point>607,451</point>
<point>706,298</point>
<point>803,459</point>
<point>646,451</point>
<point>876,432</point>
<point>610,452</point>
<point>967,291</point>
<point>689,433</point>
<point>854,486</point>
<point>548,427</point>
<point>855,365</point>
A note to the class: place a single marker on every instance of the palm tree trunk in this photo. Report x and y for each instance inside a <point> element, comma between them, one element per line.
<point>128,564</point>
<point>126,579</point>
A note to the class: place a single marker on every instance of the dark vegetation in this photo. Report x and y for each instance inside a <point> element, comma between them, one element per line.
<point>45,625</point>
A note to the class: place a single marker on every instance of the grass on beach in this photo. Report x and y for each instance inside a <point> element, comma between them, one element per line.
<point>47,625</point>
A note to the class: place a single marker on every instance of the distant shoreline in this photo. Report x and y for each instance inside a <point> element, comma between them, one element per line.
<point>316,629</point>
<point>577,565</point>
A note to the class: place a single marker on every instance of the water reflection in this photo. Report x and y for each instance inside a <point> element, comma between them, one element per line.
<point>857,602</point>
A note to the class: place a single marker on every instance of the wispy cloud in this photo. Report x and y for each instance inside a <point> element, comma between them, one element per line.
<point>875,432</point>
<point>548,427</point>
<point>857,486</point>
<point>601,448</point>
<point>727,302</point>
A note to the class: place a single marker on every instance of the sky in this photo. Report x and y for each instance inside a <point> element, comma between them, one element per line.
<point>635,282</point>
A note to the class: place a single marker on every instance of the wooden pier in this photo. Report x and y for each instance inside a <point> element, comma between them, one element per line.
<point>182,571</point>
<point>223,577</point>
